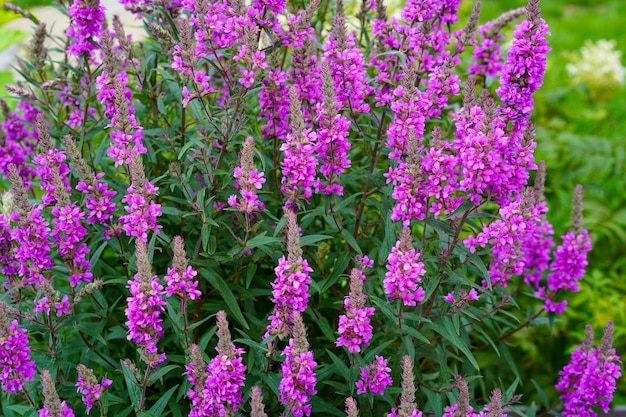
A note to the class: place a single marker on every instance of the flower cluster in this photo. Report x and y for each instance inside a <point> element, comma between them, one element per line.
<point>374,377</point>
<point>487,60</point>
<point>298,378</point>
<point>408,407</point>
<point>145,305</point>
<point>142,211</point>
<point>332,140</point>
<point>589,379</point>
<point>505,236</point>
<point>599,67</point>
<point>87,18</point>
<point>290,288</point>
<point>52,406</point>
<point>463,298</point>
<point>31,247</point>
<point>570,260</point>
<point>16,365</point>
<point>523,70</point>
<point>299,161</point>
<point>89,387</point>
<point>355,329</point>
<point>217,387</point>
<point>404,272</point>
<point>347,67</point>
<point>181,278</point>
<point>249,180</point>
<point>17,138</point>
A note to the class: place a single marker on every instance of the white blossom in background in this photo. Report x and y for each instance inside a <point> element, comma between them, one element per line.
<point>598,66</point>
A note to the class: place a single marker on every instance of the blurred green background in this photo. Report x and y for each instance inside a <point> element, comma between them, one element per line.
<point>581,134</point>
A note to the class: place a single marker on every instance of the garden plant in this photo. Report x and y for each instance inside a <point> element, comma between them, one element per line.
<point>272,208</point>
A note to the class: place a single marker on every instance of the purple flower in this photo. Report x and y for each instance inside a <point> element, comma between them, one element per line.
<point>16,365</point>
<point>589,379</point>
<point>375,377</point>
<point>404,272</point>
<point>299,164</point>
<point>87,18</point>
<point>298,378</point>
<point>355,329</point>
<point>32,248</point>
<point>180,278</point>
<point>89,387</point>
<point>290,288</point>
<point>347,68</point>
<point>217,388</point>
<point>249,180</point>
<point>524,68</point>
<point>99,205</point>
<point>487,60</point>
<point>145,305</point>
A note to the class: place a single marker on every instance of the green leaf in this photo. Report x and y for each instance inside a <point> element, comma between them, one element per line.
<point>227,295</point>
<point>449,333</point>
<point>340,367</point>
<point>262,240</point>
<point>159,406</point>
<point>311,239</point>
<point>160,373</point>
<point>345,233</point>
<point>134,392</point>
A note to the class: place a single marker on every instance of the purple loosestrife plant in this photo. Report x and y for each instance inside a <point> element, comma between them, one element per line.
<point>16,365</point>
<point>298,376</point>
<point>374,377</point>
<point>89,387</point>
<point>589,379</point>
<point>145,305</point>
<point>250,154</point>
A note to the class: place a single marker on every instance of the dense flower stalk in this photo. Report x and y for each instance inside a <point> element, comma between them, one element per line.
<point>87,18</point>
<point>537,243</point>
<point>299,161</point>
<point>89,387</point>
<point>332,140</point>
<point>347,67</point>
<point>355,329</point>
<point>298,378</point>
<point>31,250</point>
<point>225,374</point>
<point>351,408</point>
<point>18,138</point>
<point>257,408</point>
<point>570,260</point>
<point>524,68</point>
<point>52,406</point>
<point>180,278</point>
<point>589,380</point>
<point>404,272</point>
<point>505,235</point>
<point>248,181</point>
<point>145,305</point>
<point>126,134</point>
<point>408,407</point>
<point>290,288</point>
<point>16,365</point>
<point>100,207</point>
<point>142,211</point>
<point>375,377</point>
<point>196,372</point>
<point>274,102</point>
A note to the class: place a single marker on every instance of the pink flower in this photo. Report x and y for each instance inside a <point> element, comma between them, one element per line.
<point>375,377</point>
